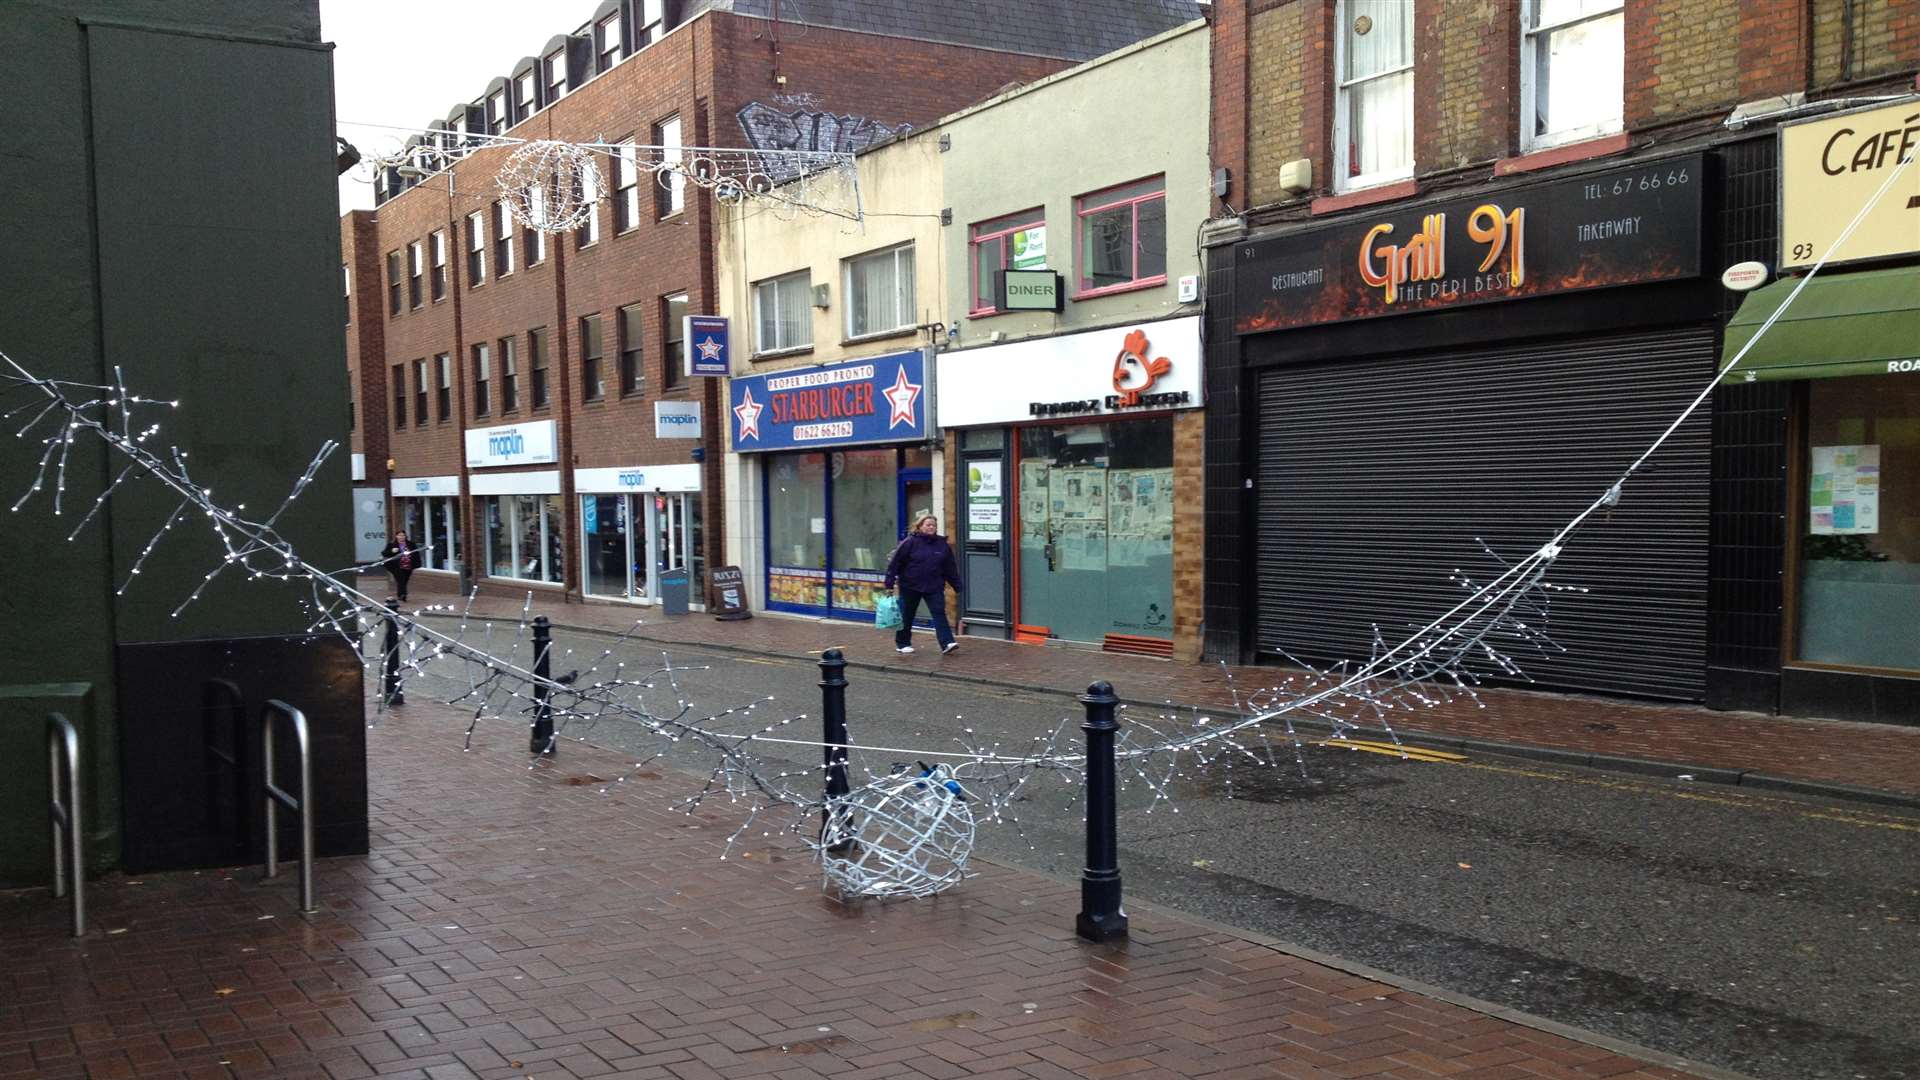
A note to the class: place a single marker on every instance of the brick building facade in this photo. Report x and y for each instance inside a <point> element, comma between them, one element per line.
<point>1374,147</point>
<point>584,327</point>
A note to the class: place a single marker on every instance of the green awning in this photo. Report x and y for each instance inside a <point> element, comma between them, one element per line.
<point>1861,323</point>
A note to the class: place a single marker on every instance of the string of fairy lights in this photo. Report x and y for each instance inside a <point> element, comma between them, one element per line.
<point>895,834</point>
<point>553,185</point>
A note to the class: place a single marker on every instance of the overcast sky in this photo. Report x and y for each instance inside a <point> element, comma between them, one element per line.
<point>407,62</point>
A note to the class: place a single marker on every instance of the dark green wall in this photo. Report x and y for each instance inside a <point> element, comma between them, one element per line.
<point>171,209</point>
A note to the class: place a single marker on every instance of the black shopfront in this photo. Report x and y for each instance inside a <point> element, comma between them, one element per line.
<point>1422,391</point>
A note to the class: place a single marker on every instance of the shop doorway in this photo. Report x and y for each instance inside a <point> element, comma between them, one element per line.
<point>630,540</point>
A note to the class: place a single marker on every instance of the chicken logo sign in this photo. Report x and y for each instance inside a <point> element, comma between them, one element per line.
<point>1133,373</point>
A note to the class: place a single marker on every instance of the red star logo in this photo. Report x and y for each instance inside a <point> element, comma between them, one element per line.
<point>749,414</point>
<point>709,349</point>
<point>901,395</point>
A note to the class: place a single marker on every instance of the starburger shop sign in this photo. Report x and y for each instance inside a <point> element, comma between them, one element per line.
<point>1144,367</point>
<point>880,400</point>
<point>1831,167</point>
<point>1620,227</point>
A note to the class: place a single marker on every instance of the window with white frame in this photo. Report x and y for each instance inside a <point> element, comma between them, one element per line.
<point>497,112</point>
<point>443,374</point>
<point>1123,236</point>
<point>626,186</point>
<point>672,196</point>
<point>879,292</point>
<point>589,230</point>
<point>652,22</point>
<point>476,249</point>
<point>414,272</point>
<point>1373,113</point>
<point>509,374</point>
<point>482,379</point>
<point>502,239</point>
<point>606,41</point>
<point>554,69</point>
<point>782,314</point>
<point>394,285</point>
<point>438,244</point>
<point>1572,71</point>
<point>346,285</point>
<point>526,102</point>
<point>533,239</point>
<point>420,392</point>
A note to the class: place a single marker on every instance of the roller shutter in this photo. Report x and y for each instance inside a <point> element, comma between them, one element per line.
<point>1378,477</point>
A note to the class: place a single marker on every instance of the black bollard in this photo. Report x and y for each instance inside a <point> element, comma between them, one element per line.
<point>390,658</point>
<point>1101,917</point>
<point>541,741</point>
<point>833,732</point>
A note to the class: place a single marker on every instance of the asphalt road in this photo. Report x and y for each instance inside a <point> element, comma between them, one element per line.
<point>1769,934</point>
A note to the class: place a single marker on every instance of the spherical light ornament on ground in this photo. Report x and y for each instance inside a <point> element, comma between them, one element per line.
<point>899,836</point>
<point>550,186</point>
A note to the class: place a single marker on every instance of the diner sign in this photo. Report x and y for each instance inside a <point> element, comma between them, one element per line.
<point>878,400</point>
<point>1620,227</point>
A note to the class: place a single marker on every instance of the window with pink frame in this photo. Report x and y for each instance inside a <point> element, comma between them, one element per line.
<point>1122,234</point>
<point>997,245</point>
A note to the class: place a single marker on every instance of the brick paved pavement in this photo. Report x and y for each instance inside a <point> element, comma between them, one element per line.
<point>512,922</point>
<point>1879,757</point>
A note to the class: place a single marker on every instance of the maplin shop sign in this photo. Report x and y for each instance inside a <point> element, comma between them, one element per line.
<point>1620,227</point>
<point>511,444</point>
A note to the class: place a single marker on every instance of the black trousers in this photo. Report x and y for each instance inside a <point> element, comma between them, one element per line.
<point>400,580</point>
<point>936,611</point>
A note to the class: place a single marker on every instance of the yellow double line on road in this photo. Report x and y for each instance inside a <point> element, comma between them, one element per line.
<point>1399,750</point>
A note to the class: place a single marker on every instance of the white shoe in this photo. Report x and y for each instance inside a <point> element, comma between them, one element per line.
<point>949,646</point>
<point>904,649</point>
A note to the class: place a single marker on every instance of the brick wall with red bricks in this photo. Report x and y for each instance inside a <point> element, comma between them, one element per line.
<point>705,73</point>
<point>365,327</point>
<point>1687,64</point>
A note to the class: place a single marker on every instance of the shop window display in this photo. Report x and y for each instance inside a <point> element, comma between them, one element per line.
<point>1859,580</point>
<point>865,491</point>
<point>433,524</point>
<point>797,529</point>
<point>1096,529</point>
<point>524,537</point>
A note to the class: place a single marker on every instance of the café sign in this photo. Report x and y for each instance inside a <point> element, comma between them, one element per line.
<point>1620,227</point>
<point>1832,167</point>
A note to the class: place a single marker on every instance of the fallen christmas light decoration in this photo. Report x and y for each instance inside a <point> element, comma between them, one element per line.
<point>895,834</point>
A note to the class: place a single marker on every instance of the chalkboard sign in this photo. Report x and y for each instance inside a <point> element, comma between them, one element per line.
<point>727,594</point>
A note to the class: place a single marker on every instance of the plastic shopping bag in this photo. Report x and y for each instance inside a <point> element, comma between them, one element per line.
<point>886,612</point>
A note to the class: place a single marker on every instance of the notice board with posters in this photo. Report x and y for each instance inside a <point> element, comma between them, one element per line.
<point>1624,226</point>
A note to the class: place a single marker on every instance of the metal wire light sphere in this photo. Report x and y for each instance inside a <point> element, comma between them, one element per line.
<point>550,186</point>
<point>899,836</point>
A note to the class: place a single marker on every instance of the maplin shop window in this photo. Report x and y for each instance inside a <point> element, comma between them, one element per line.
<point>1859,580</point>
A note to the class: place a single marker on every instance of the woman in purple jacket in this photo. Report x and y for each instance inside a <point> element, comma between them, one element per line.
<point>923,565</point>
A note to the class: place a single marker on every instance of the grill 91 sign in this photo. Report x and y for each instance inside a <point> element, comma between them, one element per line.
<point>1423,257</point>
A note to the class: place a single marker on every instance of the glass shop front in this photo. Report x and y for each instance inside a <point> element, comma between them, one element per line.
<point>845,466</point>
<point>637,523</point>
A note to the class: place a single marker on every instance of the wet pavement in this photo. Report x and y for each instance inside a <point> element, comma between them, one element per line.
<point>1773,934</point>
<point>514,921</point>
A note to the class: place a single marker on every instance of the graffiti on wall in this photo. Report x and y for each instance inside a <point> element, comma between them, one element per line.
<point>797,123</point>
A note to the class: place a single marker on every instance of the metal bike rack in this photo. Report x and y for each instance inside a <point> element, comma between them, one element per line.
<point>274,797</point>
<point>65,817</point>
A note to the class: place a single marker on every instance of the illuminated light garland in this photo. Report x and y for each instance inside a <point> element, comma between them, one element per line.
<point>552,185</point>
<point>894,835</point>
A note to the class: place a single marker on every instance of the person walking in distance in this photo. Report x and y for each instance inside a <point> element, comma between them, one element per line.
<point>401,557</point>
<point>923,565</point>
